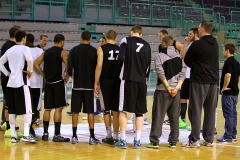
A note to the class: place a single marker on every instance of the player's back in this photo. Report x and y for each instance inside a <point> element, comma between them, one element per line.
<point>137,59</point>
<point>111,66</point>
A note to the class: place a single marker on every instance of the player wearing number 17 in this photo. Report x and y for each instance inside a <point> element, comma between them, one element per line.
<point>136,56</point>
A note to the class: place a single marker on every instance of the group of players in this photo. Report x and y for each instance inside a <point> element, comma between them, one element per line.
<point>119,76</point>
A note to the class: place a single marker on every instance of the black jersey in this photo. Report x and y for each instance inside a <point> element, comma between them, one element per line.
<point>53,64</point>
<point>111,67</point>
<point>82,63</point>
<point>160,46</point>
<point>8,44</point>
<point>136,54</point>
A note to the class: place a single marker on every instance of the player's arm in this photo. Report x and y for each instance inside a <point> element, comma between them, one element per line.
<point>123,49</point>
<point>182,76</point>
<point>179,45</point>
<point>37,64</point>
<point>238,81</point>
<point>70,64</point>
<point>28,58</point>
<point>149,64</point>
<point>64,55</point>
<point>190,55</point>
<point>3,60</point>
<point>184,48</point>
<point>227,78</point>
<point>98,69</point>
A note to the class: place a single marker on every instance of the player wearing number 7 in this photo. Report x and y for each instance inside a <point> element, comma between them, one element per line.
<point>136,56</point>
<point>108,69</point>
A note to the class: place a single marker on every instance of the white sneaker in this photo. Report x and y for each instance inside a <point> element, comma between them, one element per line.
<point>191,144</point>
<point>85,117</point>
<point>130,121</point>
<point>145,122</point>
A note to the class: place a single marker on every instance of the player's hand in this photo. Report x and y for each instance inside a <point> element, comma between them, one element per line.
<point>174,92</point>
<point>8,74</point>
<point>66,78</point>
<point>96,89</point>
<point>225,89</point>
<point>187,40</point>
<point>28,73</point>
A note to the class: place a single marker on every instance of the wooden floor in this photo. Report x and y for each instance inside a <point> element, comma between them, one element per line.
<point>64,151</point>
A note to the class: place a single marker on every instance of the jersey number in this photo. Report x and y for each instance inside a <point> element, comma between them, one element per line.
<point>140,45</point>
<point>111,55</point>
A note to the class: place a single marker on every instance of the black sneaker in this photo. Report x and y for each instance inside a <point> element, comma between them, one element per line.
<point>16,128</point>
<point>60,138</point>
<point>234,138</point>
<point>45,137</point>
<point>108,140</point>
<point>93,140</point>
<point>172,145</point>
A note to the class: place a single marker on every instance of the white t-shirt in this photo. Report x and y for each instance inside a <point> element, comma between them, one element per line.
<point>36,81</point>
<point>16,57</point>
<point>188,69</point>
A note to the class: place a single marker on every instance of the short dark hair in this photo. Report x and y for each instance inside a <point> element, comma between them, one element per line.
<point>12,31</point>
<point>164,32</point>
<point>30,38</point>
<point>86,35</point>
<point>168,40</point>
<point>137,29</point>
<point>59,38</point>
<point>17,27</point>
<point>20,35</point>
<point>195,30</point>
<point>43,35</point>
<point>207,26</point>
<point>111,34</point>
<point>230,47</point>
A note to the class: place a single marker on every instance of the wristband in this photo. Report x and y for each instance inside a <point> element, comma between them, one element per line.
<point>168,86</point>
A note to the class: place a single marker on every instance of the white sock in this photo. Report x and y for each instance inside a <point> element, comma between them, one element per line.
<point>215,120</point>
<point>27,123</point>
<point>109,131</point>
<point>12,122</point>
<point>123,135</point>
<point>115,135</point>
<point>138,135</point>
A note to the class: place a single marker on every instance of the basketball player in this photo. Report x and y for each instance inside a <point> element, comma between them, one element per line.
<point>108,69</point>
<point>4,80</point>
<point>36,82</point>
<point>43,41</point>
<point>55,89</point>
<point>177,45</point>
<point>18,91</point>
<point>192,36</point>
<point>81,67</point>
<point>229,90</point>
<point>102,41</point>
<point>171,71</point>
<point>202,58</point>
<point>136,56</point>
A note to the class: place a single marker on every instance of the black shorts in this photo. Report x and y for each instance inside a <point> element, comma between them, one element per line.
<point>184,93</point>
<point>109,94</point>
<point>55,95</point>
<point>4,89</point>
<point>83,99</point>
<point>19,100</point>
<point>36,99</point>
<point>133,97</point>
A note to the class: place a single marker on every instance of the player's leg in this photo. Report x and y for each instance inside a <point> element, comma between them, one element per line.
<point>76,105</point>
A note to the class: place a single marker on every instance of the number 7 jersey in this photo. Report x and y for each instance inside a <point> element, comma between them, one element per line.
<point>111,66</point>
<point>136,56</point>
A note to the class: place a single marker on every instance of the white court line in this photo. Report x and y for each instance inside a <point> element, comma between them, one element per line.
<point>228,145</point>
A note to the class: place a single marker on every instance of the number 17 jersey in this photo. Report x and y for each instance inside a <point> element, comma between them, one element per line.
<point>111,67</point>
